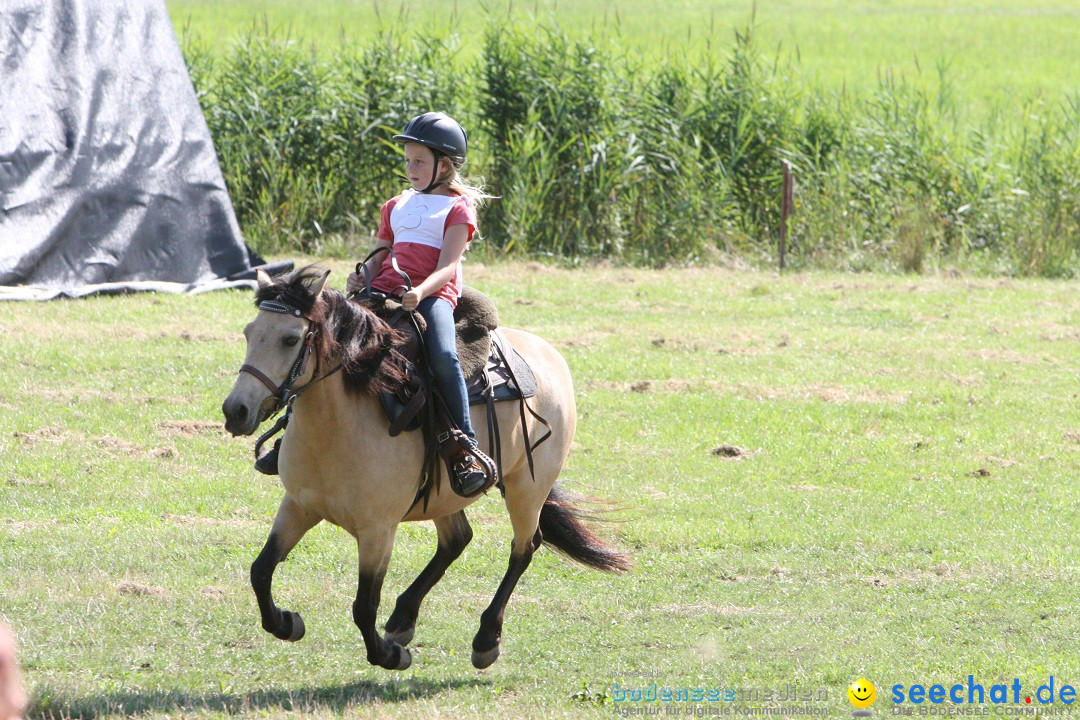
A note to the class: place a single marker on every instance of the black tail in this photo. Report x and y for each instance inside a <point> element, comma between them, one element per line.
<point>563,528</point>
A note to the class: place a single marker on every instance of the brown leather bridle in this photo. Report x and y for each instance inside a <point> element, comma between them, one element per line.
<point>283,393</point>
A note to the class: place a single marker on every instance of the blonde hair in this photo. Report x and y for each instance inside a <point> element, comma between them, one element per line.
<point>472,188</point>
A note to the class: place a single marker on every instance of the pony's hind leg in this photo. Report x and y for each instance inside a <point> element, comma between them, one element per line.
<point>524,498</point>
<point>454,534</point>
<point>375,546</point>
<point>289,526</point>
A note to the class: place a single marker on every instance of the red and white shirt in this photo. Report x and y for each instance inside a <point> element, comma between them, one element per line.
<point>416,223</point>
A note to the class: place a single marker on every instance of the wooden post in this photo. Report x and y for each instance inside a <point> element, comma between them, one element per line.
<point>787,202</point>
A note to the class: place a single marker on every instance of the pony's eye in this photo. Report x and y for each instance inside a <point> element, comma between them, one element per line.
<point>290,341</point>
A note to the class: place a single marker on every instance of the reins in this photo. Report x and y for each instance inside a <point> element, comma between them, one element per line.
<point>361,269</point>
<point>430,468</point>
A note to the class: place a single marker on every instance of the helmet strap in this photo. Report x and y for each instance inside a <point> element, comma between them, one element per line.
<point>435,181</point>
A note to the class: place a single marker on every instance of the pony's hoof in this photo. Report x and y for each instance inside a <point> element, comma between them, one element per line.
<point>298,628</point>
<point>401,637</point>
<point>406,659</point>
<point>481,660</point>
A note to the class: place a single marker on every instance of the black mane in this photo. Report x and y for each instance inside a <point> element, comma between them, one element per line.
<point>346,332</point>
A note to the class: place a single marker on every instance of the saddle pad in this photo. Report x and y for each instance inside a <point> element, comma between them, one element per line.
<point>503,379</point>
<point>474,318</point>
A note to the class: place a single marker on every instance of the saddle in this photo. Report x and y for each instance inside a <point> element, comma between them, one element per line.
<point>493,371</point>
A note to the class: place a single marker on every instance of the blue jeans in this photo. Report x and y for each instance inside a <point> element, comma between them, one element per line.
<point>440,340</point>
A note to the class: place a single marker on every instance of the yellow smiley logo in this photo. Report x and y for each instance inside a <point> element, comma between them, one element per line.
<point>862,693</point>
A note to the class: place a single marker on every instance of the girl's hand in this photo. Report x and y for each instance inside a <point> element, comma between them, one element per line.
<point>354,283</point>
<point>410,300</point>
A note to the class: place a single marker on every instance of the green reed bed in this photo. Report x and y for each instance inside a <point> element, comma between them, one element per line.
<point>599,153</point>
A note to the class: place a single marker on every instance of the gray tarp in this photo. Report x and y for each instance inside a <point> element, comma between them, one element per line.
<point>108,177</point>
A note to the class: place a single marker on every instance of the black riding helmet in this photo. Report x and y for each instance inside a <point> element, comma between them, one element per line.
<point>442,134</point>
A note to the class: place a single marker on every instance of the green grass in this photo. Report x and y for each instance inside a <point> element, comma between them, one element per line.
<point>998,53</point>
<point>904,510</point>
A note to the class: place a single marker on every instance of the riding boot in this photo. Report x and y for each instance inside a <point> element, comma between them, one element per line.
<point>474,472</point>
<point>267,464</point>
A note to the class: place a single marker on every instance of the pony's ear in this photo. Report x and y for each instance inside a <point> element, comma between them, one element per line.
<point>263,277</point>
<point>316,285</point>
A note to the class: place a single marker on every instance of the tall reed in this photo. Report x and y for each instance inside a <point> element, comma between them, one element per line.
<point>593,154</point>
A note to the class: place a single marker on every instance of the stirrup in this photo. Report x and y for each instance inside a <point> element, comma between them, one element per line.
<point>267,464</point>
<point>469,479</point>
<point>473,473</point>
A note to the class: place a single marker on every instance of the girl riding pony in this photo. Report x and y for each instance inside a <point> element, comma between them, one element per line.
<point>429,226</point>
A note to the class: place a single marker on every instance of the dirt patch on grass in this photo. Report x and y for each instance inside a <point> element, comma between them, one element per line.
<point>137,589</point>
<point>53,435</point>
<point>26,482</point>
<point>1073,436</point>
<point>690,386</point>
<point>123,447</point>
<point>190,428</point>
<point>731,452</point>
<point>842,395</point>
<point>118,446</point>
<point>734,344</point>
<point>1003,462</point>
<point>1054,332</point>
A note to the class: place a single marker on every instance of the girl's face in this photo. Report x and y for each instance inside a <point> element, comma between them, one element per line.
<point>420,164</point>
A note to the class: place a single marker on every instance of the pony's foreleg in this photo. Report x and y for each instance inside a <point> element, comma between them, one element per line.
<point>375,546</point>
<point>289,526</point>
<point>454,534</point>
<point>485,647</point>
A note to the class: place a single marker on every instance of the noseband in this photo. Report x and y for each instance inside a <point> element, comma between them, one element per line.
<point>283,393</point>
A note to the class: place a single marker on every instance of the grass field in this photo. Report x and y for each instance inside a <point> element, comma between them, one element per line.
<point>998,53</point>
<point>903,506</point>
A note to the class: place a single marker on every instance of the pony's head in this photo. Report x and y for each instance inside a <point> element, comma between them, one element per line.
<point>302,332</point>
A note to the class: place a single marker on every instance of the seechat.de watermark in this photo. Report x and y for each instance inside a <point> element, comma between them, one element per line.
<point>975,698</point>
<point>966,699</point>
<point>640,697</point>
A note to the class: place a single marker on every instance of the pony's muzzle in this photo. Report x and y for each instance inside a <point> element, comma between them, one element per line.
<point>238,418</point>
<point>243,416</point>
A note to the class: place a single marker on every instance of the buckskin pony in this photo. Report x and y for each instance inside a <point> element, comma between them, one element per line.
<point>338,463</point>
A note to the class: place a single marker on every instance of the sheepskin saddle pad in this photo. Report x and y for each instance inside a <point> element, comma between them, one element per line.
<point>492,368</point>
